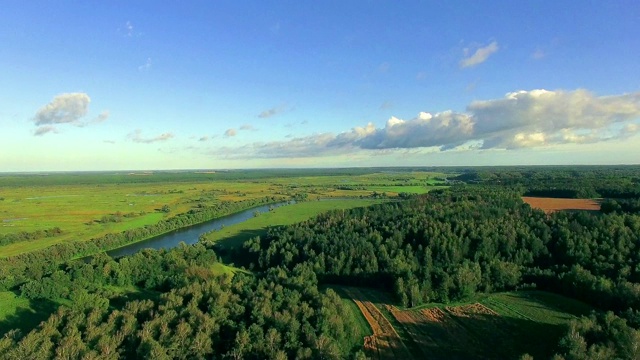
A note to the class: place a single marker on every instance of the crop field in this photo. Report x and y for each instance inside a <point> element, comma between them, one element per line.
<point>497,326</point>
<point>550,205</point>
<point>89,205</point>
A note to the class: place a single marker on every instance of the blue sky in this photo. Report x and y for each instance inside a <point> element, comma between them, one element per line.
<point>103,85</point>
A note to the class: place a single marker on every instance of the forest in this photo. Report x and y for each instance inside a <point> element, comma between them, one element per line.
<point>445,246</point>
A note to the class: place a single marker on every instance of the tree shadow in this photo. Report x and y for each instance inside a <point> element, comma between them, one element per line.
<point>28,318</point>
<point>230,249</point>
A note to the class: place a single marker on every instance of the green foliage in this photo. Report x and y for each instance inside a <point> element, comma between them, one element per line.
<point>460,244</point>
<point>600,336</point>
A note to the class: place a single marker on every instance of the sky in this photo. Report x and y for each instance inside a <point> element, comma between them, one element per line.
<point>143,85</point>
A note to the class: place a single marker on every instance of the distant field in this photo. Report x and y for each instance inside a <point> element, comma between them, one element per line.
<point>550,205</point>
<point>77,203</point>
<point>236,235</point>
<point>502,326</point>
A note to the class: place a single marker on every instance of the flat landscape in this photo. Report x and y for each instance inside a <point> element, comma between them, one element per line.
<point>550,205</point>
<point>89,205</point>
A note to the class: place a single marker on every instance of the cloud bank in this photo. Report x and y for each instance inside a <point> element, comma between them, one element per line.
<point>68,108</point>
<point>522,119</point>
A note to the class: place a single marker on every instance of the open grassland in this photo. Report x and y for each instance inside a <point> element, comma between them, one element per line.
<point>497,326</point>
<point>235,235</point>
<point>89,205</point>
<point>550,205</point>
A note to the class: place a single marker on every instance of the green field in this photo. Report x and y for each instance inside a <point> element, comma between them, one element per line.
<point>79,203</point>
<point>235,235</point>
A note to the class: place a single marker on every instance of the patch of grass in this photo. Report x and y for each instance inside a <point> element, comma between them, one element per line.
<point>362,328</point>
<point>20,313</point>
<point>539,306</point>
<point>221,269</point>
<point>234,236</point>
<point>394,190</point>
<point>539,318</point>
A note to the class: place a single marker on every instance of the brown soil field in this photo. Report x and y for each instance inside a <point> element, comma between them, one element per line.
<point>550,205</point>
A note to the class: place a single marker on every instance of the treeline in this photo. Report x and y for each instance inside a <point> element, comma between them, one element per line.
<point>17,269</point>
<point>6,239</point>
<point>561,181</point>
<point>186,312</point>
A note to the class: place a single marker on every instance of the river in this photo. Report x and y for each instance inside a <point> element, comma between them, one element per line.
<point>191,234</point>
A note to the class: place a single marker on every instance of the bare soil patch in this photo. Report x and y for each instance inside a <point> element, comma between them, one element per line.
<point>550,205</point>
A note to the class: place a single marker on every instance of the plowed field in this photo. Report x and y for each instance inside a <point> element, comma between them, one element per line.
<point>550,205</point>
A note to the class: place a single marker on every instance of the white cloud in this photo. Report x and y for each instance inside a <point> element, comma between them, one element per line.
<point>230,132</point>
<point>247,127</point>
<point>272,112</point>
<point>67,108</point>
<point>136,136</point>
<point>479,56</point>
<point>551,113</point>
<point>64,108</point>
<point>522,119</point>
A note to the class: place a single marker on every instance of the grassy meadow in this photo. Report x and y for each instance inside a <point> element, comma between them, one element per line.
<point>80,204</point>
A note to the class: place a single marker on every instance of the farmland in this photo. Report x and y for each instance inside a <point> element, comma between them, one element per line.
<point>501,325</point>
<point>550,205</point>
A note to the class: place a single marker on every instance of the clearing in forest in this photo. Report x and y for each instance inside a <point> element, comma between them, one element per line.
<point>550,205</point>
<point>499,326</point>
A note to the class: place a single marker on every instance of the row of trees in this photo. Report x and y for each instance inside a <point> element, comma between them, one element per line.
<point>6,239</point>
